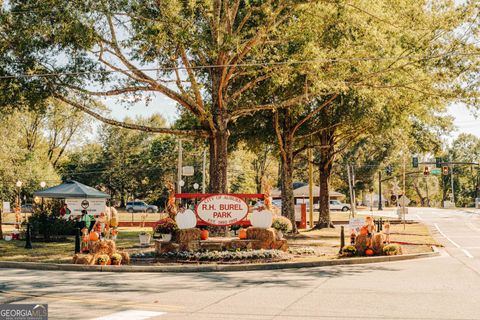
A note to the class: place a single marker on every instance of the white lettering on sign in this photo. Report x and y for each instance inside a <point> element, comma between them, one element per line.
<point>222,210</point>
<point>93,206</point>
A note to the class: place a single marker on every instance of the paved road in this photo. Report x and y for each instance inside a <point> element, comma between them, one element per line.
<point>447,287</point>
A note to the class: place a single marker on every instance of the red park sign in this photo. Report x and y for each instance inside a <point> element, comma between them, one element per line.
<point>222,210</point>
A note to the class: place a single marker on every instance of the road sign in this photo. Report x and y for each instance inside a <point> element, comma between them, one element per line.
<point>435,171</point>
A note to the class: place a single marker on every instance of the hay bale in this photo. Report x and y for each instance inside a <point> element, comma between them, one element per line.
<point>266,235</point>
<point>186,235</point>
<point>280,245</point>
<point>163,247</point>
<point>240,244</point>
<point>378,243</point>
<point>107,247</point>
<point>125,257</point>
<point>82,259</point>
<point>361,244</point>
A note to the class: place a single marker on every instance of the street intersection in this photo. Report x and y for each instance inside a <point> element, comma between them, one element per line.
<point>444,287</point>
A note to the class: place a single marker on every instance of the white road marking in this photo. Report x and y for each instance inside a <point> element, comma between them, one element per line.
<point>468,254</point>
<point>419,218</point>
<point>453,242</point>
<point>131,314</point>
<point>472,226</point>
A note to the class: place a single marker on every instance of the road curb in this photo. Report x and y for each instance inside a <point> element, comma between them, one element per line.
<point>214,267</point>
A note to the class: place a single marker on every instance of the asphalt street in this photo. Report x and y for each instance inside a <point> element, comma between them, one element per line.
<point>445,287</point>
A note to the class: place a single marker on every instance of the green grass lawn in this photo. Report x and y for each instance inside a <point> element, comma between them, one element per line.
<point>59,252</point>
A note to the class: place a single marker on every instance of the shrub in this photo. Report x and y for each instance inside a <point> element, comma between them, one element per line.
<point>281,223</point>
<point>391,249</point>
<point>50,227</point>
<point>166,226</point>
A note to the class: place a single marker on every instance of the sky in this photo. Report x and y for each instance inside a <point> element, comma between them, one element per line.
<point>465,121</point>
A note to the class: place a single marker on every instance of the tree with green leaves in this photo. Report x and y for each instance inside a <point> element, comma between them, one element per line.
<point>207,56</point>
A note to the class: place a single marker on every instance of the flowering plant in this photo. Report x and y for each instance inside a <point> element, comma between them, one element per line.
<point>166,226</point>
<point>116,257</point>
<point>349,250</point>
<point>102,259</point>
<point>281,223</point>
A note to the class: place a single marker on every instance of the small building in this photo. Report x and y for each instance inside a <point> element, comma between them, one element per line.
<point>301,194</point>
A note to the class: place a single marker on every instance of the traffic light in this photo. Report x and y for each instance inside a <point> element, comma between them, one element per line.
<point>426,171</point>
<point>389,170</point>
<point>445,170</point>
<point>415,162</point>
<point>438,162</point>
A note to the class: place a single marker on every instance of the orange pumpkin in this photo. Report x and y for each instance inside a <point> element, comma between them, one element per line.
<point>242,234</point>
<point>364,230</point>
<point>204,235</point>
<point>369,252</point>
<point>94,236</point>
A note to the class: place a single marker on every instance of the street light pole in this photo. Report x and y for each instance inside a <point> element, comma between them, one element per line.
<point>19,203</point>
<point>204,164</point>
<point>179,169</point>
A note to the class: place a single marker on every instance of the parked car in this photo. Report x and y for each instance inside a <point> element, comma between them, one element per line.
<point>27,208</point>
<point>337,205</point>
<point>140,206</point>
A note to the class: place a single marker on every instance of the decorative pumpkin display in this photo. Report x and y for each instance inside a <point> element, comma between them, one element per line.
<point>204,234</point>
<point>242,234</point>
<point>94,236</point>
<point>261,219</point>
<point>369,252</point>
<point>186,219</point>
<point>364,230</point>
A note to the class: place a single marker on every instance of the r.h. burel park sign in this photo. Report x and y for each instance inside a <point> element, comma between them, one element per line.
<point>222,210</point>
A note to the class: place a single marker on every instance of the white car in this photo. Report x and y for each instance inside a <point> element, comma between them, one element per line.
<point>337,205</point>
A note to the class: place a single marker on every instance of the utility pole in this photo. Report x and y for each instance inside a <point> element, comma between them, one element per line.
<point>179,169</point>
<point>203,169</point>
<point>426,187</point>
<point>380,204</point>
<point>310,184</point>
<point>354,208</point>
<point>404,195</point>
<point>350,188</point>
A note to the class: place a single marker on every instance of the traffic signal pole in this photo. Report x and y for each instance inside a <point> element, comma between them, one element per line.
<point>453,191</point>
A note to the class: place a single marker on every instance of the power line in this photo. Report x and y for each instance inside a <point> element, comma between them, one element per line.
<point>247,64</point>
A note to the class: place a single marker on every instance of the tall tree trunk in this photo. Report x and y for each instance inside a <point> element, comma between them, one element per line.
<point>1,231</point>
<point>219,138</point>
<point>219,161</point>
<point>286,141</point>
<point>288,200</point>
<point>327,155</point>
<point>423,200</point>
